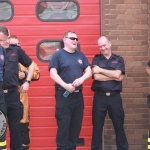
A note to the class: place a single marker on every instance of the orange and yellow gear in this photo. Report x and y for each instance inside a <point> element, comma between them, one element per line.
<point>24,122</point>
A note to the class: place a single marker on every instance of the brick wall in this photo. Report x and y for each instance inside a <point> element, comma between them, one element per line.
<point>127,23</point>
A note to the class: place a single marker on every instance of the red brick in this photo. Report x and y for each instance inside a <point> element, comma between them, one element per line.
<point>110,7</point>
<point>124,6</point>
<point>141,58</point>
<point>141,90</point>
<point>131,21</point>
<point>133,11</point>
<point>140,47</point>
<point>133,43</point>
<point>133,53</point>
<point>116,1</point>
<point>133,32</point>
<point>139,37</point>
<point>133,63</point>
<point>117,11</point>
<point>117,32</point>
<point>124,37</point>
<point>119,21</point>
<point>125,27</point>
<point>139,6</point>
<point>141,26</point>
<point>132,1</point>
<point>125,48</point>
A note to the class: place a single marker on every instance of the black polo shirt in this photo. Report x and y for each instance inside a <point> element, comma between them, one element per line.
<point>69,66</point>
<point>113,63</point>
<point>14,54</point>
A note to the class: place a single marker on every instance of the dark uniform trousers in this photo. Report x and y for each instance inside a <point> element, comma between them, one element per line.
<point>69,115</point>
<point>112,104</point>
<point>14,116</point>
<point>3,109</point>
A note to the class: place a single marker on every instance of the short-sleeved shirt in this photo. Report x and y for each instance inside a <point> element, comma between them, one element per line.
<point>14,54</point>
<point>113,63</point>
<point>69,66</point>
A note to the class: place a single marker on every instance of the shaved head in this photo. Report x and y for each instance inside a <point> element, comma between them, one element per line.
<point>103,38</point>
<point>104,46</point>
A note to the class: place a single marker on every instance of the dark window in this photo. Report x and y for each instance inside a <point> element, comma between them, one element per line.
<point>57,10</point>
<point>6,11</point>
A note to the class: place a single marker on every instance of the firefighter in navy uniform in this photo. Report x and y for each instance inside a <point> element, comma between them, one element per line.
<point>24,122</point>
<point>2,101</point>
<point>108,70</point>
<point>66,69</point>
<point>14,54</point>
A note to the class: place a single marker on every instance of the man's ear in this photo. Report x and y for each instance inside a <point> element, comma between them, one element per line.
<point>110,43</point>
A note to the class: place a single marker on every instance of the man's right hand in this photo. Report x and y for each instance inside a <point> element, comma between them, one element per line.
<point>21,75</point>
<point>69,87</point>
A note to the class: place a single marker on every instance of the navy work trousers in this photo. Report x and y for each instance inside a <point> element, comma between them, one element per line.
<point>113,105</point>
<point>3,110</point>
<point>14,116</point>
<point>69,115</point>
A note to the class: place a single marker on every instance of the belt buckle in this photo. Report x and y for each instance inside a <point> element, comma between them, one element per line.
<point>108,94</point>
<point>5,91</point>
<point>76,91</point>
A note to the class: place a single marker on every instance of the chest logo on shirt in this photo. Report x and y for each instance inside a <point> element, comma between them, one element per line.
<point>1,57</point>
<point>114,62</point>
<point>13,54</point>
<point>80,61</point>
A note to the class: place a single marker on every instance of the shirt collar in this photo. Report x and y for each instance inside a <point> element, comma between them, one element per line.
<point>103,57</point>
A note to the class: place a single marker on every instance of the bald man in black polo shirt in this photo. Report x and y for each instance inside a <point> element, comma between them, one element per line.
<point>108,70</point>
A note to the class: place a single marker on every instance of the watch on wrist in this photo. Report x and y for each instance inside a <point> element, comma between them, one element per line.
<point>28,81</point>
<point>25,73</point>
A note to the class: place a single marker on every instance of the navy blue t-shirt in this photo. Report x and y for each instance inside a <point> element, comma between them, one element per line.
<point>69,66</point>
<point>113,63</point>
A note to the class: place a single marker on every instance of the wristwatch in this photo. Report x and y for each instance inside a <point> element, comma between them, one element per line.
<point>28,81</point>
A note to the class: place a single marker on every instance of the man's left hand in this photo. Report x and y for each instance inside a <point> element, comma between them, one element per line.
<point>24,87</point>
<point>77,82</point>
<point>96,69</point>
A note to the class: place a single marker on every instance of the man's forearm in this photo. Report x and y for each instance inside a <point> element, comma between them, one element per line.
<point>101,77</point>
<point>87,74</point>
<point>114,74</point>
<point>30,71</point>
<point>56,77</point>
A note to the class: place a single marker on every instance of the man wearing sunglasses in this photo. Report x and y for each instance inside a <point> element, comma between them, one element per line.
<point>66,69</point>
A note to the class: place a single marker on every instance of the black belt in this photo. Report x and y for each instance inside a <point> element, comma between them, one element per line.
<point>109,93</point>
<point>61,89</point>
<point>10,90</point>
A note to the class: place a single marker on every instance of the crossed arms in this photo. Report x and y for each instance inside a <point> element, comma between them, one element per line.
<point>101,74</point>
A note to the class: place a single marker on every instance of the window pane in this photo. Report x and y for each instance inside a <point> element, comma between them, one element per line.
<point>6,11</point>
<point>58,11</point>
<point>47,49</point>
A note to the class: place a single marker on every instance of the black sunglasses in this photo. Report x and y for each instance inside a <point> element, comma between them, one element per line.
<point>72,38</point>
